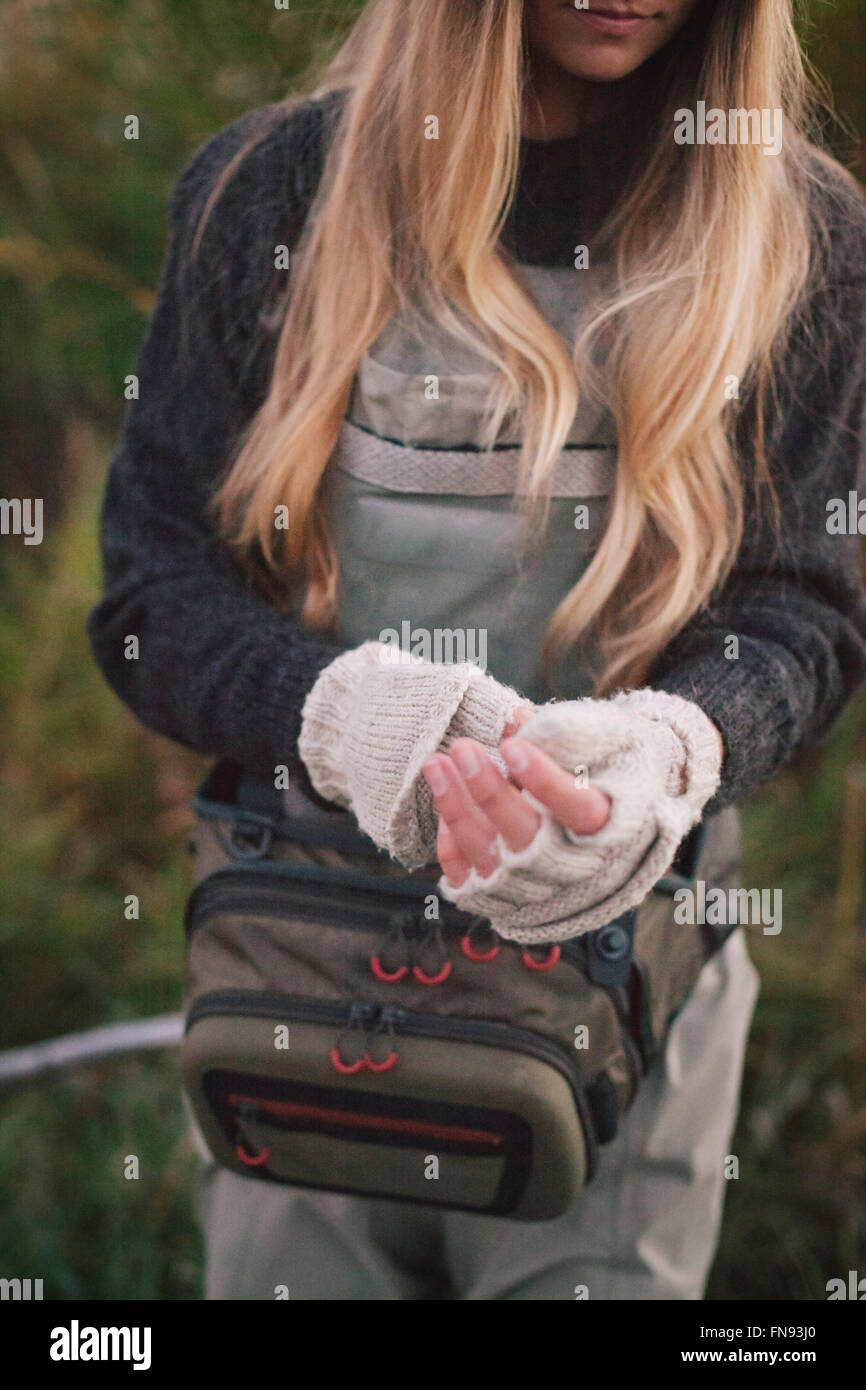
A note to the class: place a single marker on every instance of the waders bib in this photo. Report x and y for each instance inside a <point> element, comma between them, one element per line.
<point>346,1027</point>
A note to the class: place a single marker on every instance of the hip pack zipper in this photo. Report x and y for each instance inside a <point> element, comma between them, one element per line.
<point>230,888</point>
<point>316,892</point>
<point>396,1020</point>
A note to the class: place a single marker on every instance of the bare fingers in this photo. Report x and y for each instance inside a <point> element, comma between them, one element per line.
<point>454,864</point>
<point>473,834</point>
<point>512,815</point>
<point>474,802</point>
<point>583,809</point>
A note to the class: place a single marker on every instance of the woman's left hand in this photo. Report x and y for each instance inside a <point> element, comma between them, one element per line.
<point>475,802</point>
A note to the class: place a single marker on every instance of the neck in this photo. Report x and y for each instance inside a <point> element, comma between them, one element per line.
<point>557,105</point>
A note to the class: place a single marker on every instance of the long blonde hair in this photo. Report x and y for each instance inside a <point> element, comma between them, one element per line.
<point>711,249</point>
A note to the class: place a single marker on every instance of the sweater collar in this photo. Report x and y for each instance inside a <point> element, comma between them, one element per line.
<point>566,187</point>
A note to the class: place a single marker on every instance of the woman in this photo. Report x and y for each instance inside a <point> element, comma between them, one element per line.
<point>563,360</point>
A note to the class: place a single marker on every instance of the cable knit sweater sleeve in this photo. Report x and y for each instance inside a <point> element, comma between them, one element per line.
<point>218,668</point>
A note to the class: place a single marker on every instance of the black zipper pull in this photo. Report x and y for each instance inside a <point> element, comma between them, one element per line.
<point>248,1112</point>
<point>389,1014</point>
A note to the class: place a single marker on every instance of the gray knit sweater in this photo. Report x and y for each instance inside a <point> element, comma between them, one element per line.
<point>222,671</point>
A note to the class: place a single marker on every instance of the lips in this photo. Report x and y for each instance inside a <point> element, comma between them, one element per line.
<point>608,11</point>
<point>611,21</point>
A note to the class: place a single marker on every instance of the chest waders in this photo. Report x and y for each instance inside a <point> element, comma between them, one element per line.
<point>347,1029</point>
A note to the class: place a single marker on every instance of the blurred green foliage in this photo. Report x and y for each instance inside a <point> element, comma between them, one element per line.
<point>94,807</point>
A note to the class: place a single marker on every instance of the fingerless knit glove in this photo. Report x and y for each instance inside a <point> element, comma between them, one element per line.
<point>370,721</point>
<point>657,757</point>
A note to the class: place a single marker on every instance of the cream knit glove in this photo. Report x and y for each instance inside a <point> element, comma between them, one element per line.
<point>370,721</point>
<point>657,757</point>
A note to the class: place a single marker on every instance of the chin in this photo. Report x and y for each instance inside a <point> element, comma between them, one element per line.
<point>597,64</point>
<point>600,67</point>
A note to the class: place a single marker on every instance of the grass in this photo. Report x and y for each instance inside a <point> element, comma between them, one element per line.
<point>94,808</point>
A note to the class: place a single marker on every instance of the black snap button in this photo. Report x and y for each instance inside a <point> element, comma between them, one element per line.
<point>613,943</point>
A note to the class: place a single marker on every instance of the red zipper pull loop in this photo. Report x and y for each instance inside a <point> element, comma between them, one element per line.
<point>382,974</point>
<point>347,1068</point>
<point>389,1062</point>
<point>249,1113</point>
<point>479,925</point>
<point>432,938</point>
<point>384,1024</point>
<point>425,979</point>
<point>252,1160</point>
<point>397,937</point>
<point>359,1015</point>
<point>546,963</point>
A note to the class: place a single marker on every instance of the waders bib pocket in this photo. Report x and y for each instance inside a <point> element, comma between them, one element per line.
<point>348,1029</point>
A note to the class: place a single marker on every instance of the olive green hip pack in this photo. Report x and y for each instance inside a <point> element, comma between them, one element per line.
<point>348,1029</point>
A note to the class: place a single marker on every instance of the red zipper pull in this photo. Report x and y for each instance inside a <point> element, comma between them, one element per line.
<point>397,944</point>
<point>433,937</point>
<point>248,1112</point>
<point>469,949</point>
<point>385,1023</point>
<point>545,963</point>
<point>358,1023</point>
